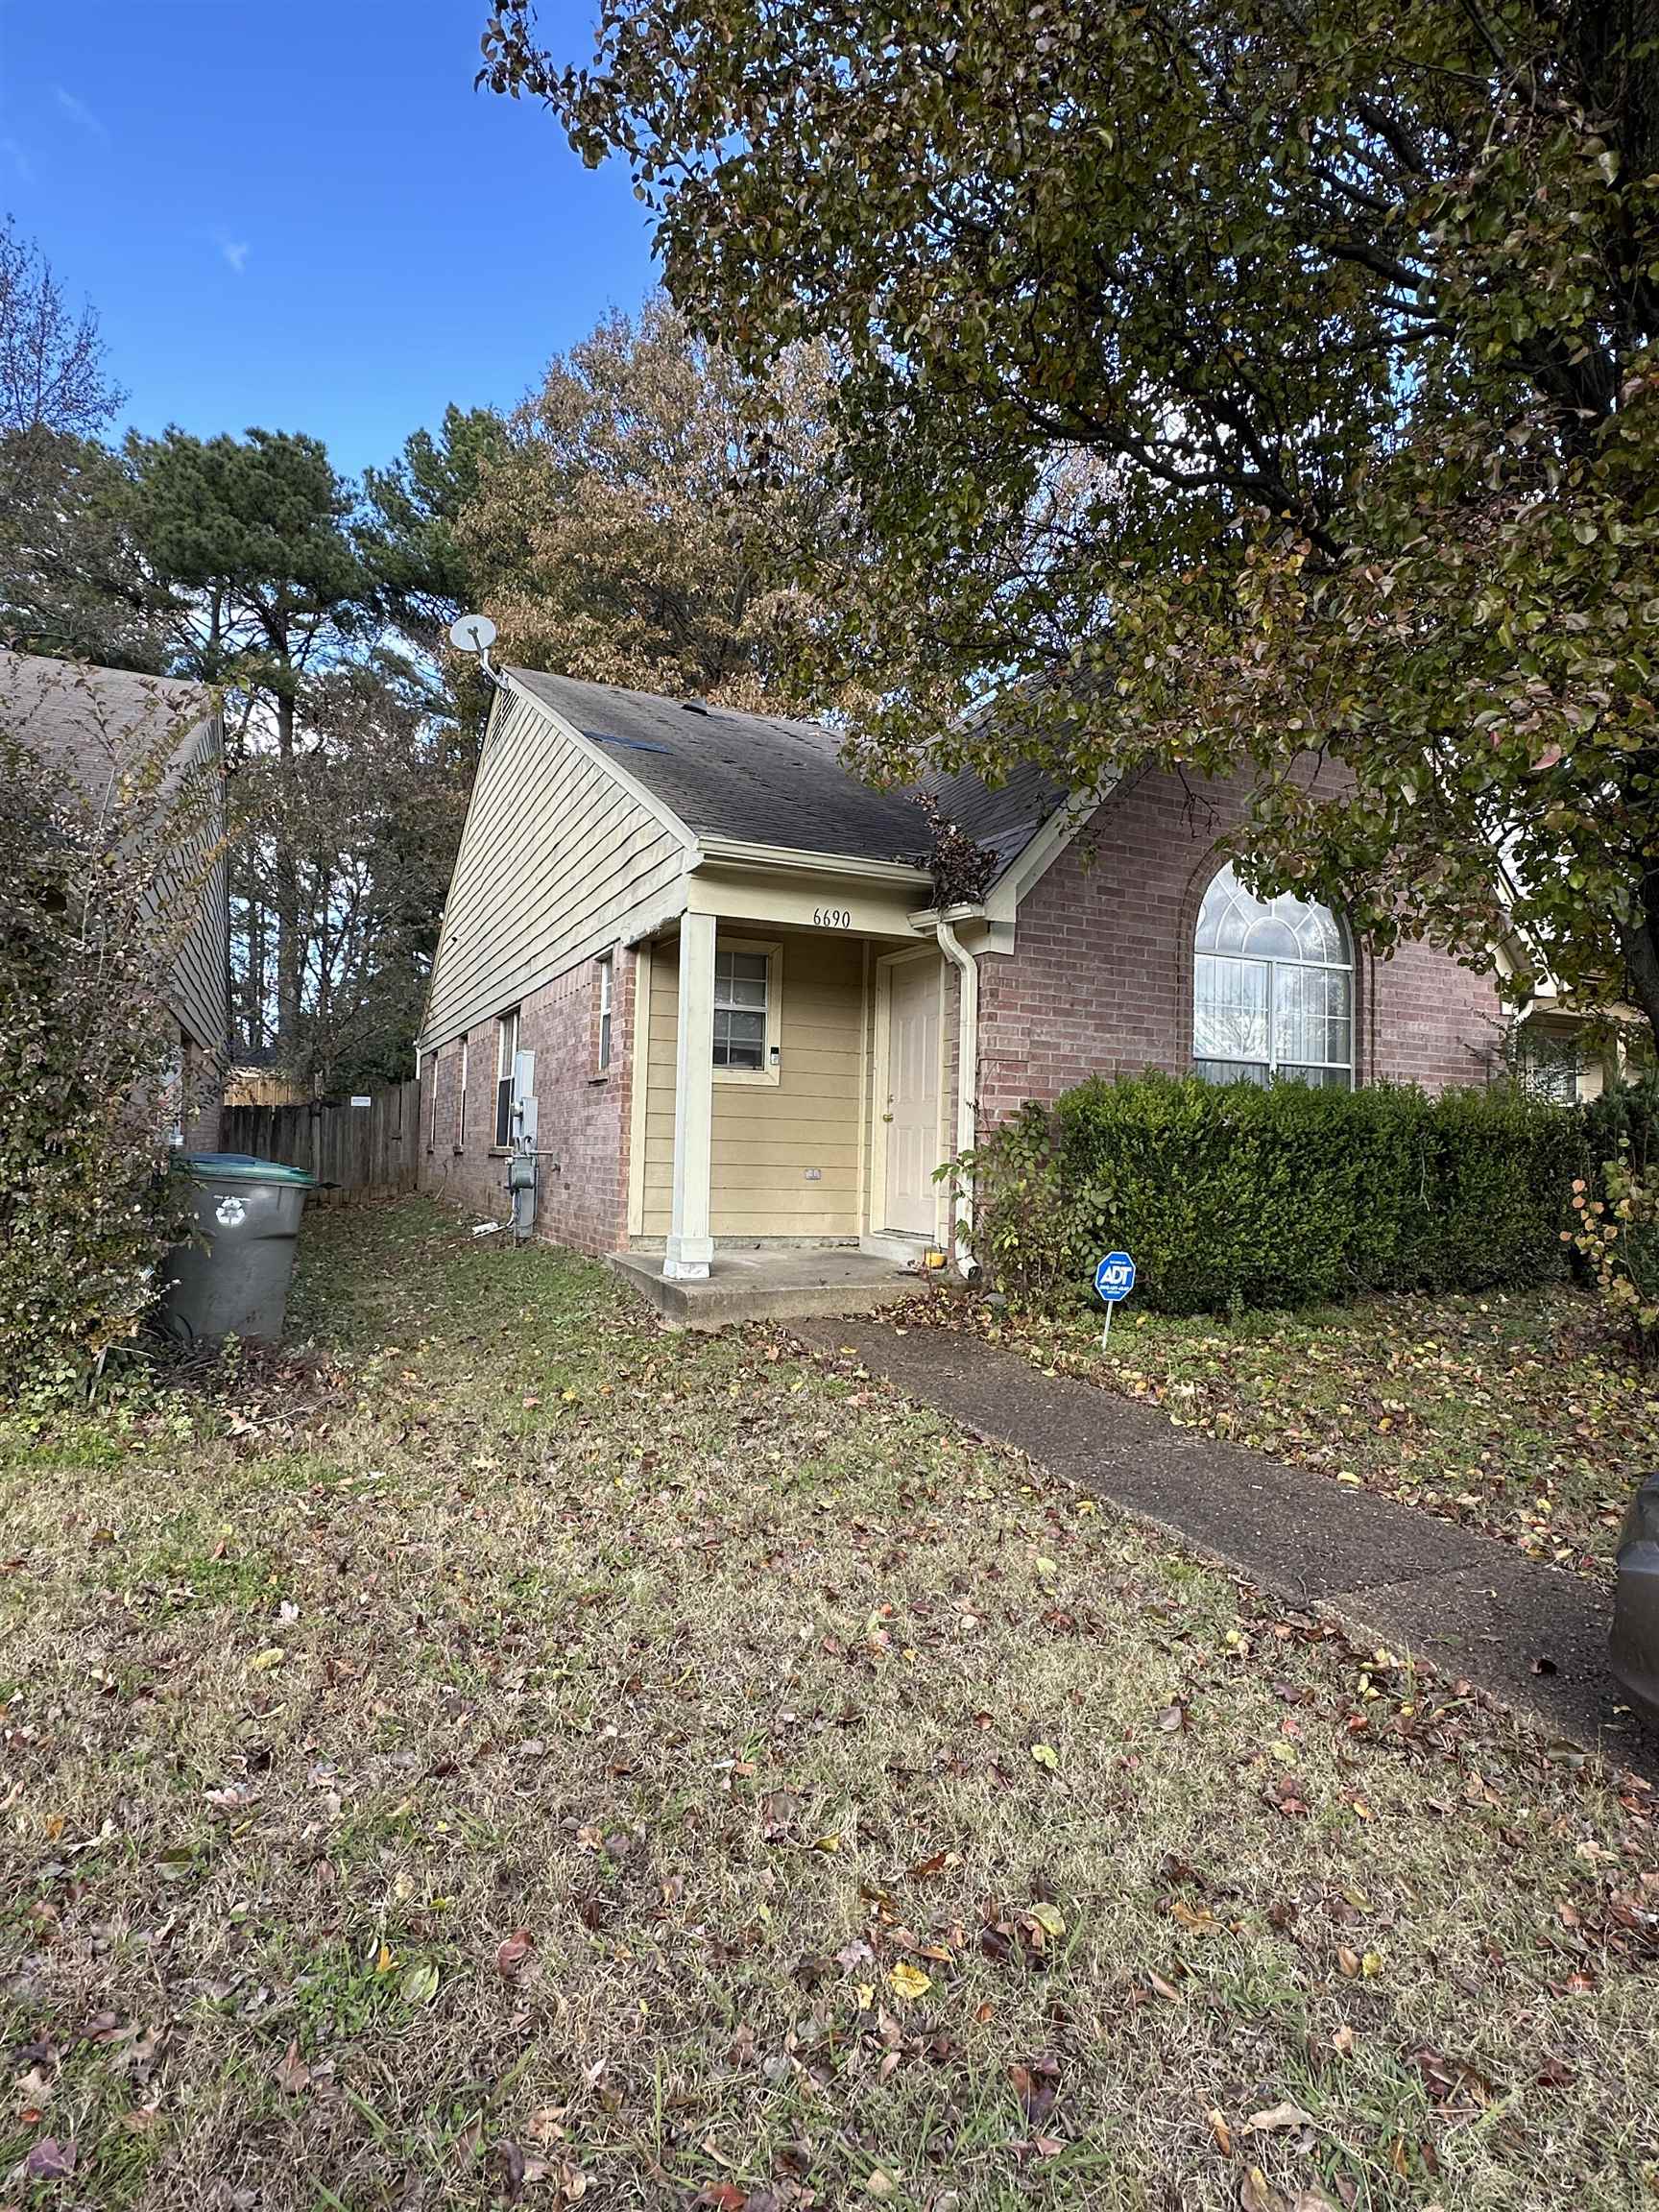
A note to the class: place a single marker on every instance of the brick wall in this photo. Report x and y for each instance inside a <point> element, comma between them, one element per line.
<point>1102,979</point>
<point>582,1116</point>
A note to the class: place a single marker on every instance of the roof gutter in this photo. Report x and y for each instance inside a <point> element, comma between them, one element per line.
<point>747,853</point>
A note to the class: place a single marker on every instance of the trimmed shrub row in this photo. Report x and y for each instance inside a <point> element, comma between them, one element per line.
<point>1282,1196</point>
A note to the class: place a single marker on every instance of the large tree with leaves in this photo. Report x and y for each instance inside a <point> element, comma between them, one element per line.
<point>1260,383</point>
<point>656,511</point>
<point>251,539</point>
<point>371,810</point>
<point>71,581</point>
<point>409,536</point>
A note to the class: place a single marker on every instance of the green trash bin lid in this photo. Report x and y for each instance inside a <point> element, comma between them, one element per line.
<point>243,1167</point>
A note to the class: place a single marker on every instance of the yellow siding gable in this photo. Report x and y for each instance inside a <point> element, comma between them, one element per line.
<point>555,854</point>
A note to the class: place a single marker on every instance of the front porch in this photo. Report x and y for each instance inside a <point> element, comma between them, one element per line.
<point>771,1284</point>
<point>792,1102</point>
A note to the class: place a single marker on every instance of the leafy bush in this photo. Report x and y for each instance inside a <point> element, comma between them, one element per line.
<point>1616,1235</point>
<point>1281,1196</point>
<point>100,873</point>
<point>1624,1119</point>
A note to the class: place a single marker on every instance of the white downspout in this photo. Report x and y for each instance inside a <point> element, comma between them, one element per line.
<point>967,1073</point>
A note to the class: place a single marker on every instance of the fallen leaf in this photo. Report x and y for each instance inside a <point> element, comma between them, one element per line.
<point>926,1869</point>
<point>1278,2116</point>
<point>49,2161</point>
<point>909,1980</point>
<point>1255,2194</point>
<point>1047,1757</point>
<point>511,1955</point>
<point>1219,2129</point>
<point>419,1985</point>
<point>293,2075</point>
<point>1036,2086</point>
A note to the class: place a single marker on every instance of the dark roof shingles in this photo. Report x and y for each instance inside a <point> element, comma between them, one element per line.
<point>755,777</point>
<point>84,721</point>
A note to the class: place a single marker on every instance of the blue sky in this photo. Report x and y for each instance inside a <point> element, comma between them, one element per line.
<point>298,213</point>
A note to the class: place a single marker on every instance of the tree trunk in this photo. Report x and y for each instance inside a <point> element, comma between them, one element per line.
<point>1642,968</point>
<point>290,943</point>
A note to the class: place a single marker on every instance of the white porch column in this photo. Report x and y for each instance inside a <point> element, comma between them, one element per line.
<point>691,1246</point>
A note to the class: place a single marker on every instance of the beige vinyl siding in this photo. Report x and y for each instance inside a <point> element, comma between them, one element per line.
<point>554,854</point>
<point>767,1135</point>
<point>200,994</point>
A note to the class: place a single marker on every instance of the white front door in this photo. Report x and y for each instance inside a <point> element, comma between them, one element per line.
<point>912,1104</point>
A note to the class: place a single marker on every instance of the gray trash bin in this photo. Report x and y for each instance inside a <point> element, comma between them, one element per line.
<point>249,1212</point>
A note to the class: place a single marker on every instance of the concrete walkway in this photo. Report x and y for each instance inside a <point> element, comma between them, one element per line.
<point>1532,1637</point>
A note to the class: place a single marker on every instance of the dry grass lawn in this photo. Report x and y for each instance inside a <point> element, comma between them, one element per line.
<point>502,1753</point>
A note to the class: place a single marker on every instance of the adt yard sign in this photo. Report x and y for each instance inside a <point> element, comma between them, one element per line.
<point>1113,1280</point>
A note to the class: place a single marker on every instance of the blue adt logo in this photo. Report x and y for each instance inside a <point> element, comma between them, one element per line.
<point>1114,1276</point>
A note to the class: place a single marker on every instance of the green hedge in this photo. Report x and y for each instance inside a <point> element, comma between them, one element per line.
<point>1276,1197</point>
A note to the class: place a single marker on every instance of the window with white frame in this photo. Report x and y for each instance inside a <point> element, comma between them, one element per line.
<point>1272,990</point>
<point>746,1011</point>
<point>432,1118</point>
<point>461,1104</point>
<point>1548,1062</point>
<point>506,1074</point>
<point>606,988</point>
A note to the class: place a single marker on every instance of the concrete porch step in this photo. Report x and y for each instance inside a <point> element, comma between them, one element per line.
<point>776,1285</point>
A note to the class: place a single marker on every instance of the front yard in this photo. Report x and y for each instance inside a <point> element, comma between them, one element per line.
<point>1515,1413</point>
<point>505,1752</point>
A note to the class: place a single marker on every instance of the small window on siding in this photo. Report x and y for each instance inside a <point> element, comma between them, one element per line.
<point>506,1074</point>
<point>1548,1063</point>
<point>741,984</point>
<point>606,988</point>
<point>461,1104</point>
<point>1272,990</point>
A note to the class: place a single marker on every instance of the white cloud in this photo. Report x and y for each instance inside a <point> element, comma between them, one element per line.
<point>78,112</point>
<point>22,167</point>
<point>235,253</point>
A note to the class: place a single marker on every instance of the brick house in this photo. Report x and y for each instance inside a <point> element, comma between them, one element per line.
<point>692,965</point>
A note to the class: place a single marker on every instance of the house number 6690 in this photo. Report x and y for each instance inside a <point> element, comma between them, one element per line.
<point>831,918</point>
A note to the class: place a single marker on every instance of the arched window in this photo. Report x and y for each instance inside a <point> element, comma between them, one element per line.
<point>1272,990</point>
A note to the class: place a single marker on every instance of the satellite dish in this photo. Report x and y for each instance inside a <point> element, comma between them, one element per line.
<point>472,634</point>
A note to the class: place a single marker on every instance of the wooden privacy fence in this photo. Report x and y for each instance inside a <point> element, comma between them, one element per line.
<point>355,1151</point>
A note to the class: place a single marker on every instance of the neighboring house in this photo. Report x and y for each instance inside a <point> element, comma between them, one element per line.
<point>696,943</point>
<point>88,724</point>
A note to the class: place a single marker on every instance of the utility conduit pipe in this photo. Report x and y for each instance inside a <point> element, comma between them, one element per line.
<point>966,1078</point>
